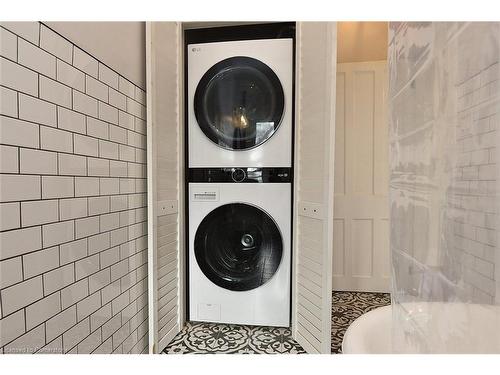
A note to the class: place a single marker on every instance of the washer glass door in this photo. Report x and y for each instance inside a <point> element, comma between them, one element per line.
<point>238,247</point>
<point>239,103</point>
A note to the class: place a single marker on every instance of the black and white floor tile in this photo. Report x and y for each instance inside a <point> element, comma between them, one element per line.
<point>211,338</point>
<point>347,307</point>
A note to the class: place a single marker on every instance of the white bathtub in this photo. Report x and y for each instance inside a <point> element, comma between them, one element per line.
<point>432,327</point>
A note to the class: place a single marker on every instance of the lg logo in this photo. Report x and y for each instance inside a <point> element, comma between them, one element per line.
<point>196,49</point>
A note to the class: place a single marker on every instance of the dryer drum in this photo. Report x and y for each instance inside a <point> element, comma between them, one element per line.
<point>239,103</point>
<point>238,247</point>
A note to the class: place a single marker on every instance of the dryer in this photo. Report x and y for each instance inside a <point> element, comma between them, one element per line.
<point>239,108</point>
<point>240,245</point>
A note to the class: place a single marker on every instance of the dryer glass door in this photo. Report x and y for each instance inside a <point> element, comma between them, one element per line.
<point>239,103</point>
<point>238,247</point>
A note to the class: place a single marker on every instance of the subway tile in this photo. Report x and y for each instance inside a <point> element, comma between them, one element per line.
<point>55,92</point>
<point>90,343</point>
<point>87,227</point>
<point>119,269</point>
<point>53,347</point>
<point>119,236</point>
<point>35,58</point>
<point>111,326</point>
<point>41,261</point>
<point>99,280</point>
<point>86,145</point>
<point>58,278</point>
<point>57,233</point>
<point>117,134</point>
<point>88,305</point>
<point>39,212</point>
<point>72,165</point>
<point>57,187</point>
<point>86,186</point>
<point>110,292</point>
<point>108,76</point>
<point>119,203</point>
<point>101,316</point>
<point>28,343</point>
<point>120,335</point>
<point>135,108</point>
<point>42,310</point>
<point>105,348</point>
<point>126,87</point>
<point>109,257</point>
<point>70,120</point>
<point>18,133</point>
<point>8,102</point>
<point>109,186</point>
<point>8,45</point>
<point>55,44</point>
<point>87,266</point>
<point>140,95</point>
<point>70,76</point>
<point>18,77</point>
<point>56,140</point>
<point>20,241</point>
<point>74,293</point>
<point>117,99</point>
<point>84,104</point>
<point>12,272</point>
<point>108,150</point>
<point>127,153</point>
<point>125,120</point>
<point>118,168</point>
<point>108,113</point>
<point>140,125</point>
<point>97,128</point>
<point>76,334</point>
<point>9,216</point>
<point>98,243</point>
<point>96,89</point>
<point>9,160</point>
<point>98,167</point>
<point>73,251</point>
<point>109,222</point>
<point>27,30</point>
<point>72,208</point>
<point>83,61</point>
<point>60,323</point>
<point>12,327</point>
<point>21,295</point>
<point>36,110</point>
<point>98,205</point>
<point>19,187</point>
<point>37,161</point>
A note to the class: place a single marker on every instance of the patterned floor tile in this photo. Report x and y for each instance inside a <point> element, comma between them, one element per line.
<point>211,338</point>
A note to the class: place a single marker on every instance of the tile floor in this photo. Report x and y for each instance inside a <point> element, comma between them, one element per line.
<point>205,338</point>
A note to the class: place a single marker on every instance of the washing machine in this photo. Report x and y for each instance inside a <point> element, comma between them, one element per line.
<point>240,245</point>
<point>239,101</point>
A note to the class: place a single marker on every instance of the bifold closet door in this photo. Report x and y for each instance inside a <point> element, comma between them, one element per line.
<point>163,59</point>
<point>315,140</point>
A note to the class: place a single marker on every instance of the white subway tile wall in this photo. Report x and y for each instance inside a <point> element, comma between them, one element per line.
<point>73,257</point>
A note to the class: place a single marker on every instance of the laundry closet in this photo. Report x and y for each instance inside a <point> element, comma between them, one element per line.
<point>240,177</point>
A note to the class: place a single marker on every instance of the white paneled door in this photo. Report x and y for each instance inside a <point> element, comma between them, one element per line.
<point>361,215</point>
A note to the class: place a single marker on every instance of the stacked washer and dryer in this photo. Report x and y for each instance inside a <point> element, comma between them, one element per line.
<point>239,125</point>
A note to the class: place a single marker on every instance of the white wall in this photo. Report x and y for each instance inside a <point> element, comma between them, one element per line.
<point>121,45</point>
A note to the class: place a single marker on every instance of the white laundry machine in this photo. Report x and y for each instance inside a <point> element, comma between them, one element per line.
<point>239,101</point>
<point>239,259</point>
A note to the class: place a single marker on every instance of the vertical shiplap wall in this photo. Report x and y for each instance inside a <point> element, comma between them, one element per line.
<point>315,131</point>
<point>163,66</point>
<point>73,240</point>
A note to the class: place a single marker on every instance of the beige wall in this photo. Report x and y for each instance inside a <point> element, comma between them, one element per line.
<point>361,41</point>
<point>121,45</point>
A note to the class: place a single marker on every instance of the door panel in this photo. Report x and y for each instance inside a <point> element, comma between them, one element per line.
<point>361,230</point>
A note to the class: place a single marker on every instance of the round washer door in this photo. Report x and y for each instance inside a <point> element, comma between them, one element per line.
<point>238,247</point>
<point>239,103</point>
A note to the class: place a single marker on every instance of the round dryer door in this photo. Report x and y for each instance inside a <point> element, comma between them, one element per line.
<point>239,103</point>
<point>238,247</point>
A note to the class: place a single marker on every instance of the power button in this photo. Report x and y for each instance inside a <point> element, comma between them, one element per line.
<point>238,175</point>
